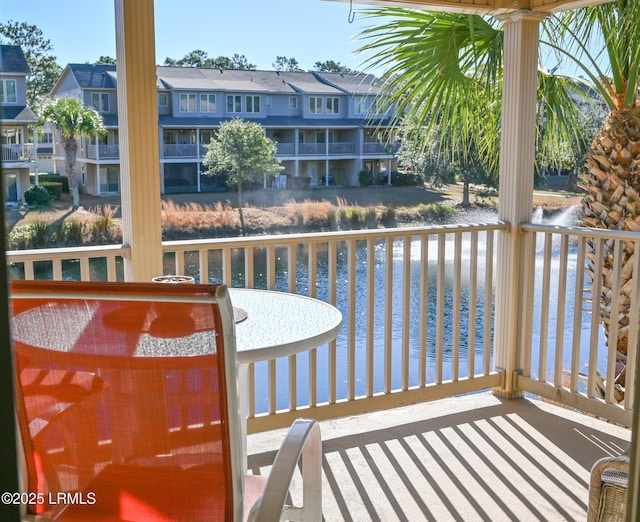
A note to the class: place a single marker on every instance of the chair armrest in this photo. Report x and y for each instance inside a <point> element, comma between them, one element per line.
<point>303,440</point>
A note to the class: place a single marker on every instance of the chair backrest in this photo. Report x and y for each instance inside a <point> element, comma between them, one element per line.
<point>127,400</point>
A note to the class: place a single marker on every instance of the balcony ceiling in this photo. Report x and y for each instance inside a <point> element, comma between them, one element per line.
<point>484,7</point>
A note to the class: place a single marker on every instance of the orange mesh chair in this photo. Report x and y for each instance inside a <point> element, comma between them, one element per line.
<point>128,408</point>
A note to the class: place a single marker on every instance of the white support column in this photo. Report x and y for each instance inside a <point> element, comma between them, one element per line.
<point>517,156</point>
<point>138,126</point>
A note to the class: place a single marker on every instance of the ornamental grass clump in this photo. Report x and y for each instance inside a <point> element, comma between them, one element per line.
<point>36,234</point>
<point>309,213</point>
<point>102,226</point>
<point>195,220</point>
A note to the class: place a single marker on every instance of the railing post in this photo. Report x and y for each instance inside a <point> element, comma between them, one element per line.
<point>517,156</point>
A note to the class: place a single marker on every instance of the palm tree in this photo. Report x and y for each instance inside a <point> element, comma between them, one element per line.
<point>445,69</point>
<point>73,120</point>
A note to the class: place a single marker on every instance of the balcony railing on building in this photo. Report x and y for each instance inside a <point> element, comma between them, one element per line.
<point>103,152</point>
<point>181,150</point>
<point>379,148</point>
<point>18,153</point>
<point>418,308</point>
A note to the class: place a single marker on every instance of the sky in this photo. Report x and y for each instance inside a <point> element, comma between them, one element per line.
<point>307,30</point>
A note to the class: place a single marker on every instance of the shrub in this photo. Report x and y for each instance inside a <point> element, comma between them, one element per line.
<point>365,177</point>
<point>37,196</point>
<point>103,228</point>
<point>31,235</point>
<point>55,178</point>
<point>70,233</point>
<point>388,216</point>
<point>53,188</point>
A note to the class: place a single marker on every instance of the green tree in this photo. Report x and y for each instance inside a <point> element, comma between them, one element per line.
<point>37,51</point>
<point>242,151</point>
<point>106,60</point>
<point>331,66</point>
<point>73,120</point>
<point>283,63</point>
<point>444,63</point>
<point>199,58</point>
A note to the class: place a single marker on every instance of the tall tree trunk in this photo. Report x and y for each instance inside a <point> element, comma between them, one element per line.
<point>466,202</point>
<point>612,201</point>
<point>240,205</point>
<point>70,155</point>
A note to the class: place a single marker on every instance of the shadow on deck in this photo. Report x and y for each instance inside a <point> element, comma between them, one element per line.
<point>468,458</point>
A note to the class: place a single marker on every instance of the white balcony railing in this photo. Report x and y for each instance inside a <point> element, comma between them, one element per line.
<point>563,352</point>
<point>18,153</point>
<point>418,307</point>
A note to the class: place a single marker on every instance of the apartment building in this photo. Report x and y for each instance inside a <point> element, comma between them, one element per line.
<point>17,124</point>
<point>325,125</point>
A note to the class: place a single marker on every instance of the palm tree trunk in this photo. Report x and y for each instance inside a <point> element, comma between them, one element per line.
<point>612,201</point>
<point>70,154</point>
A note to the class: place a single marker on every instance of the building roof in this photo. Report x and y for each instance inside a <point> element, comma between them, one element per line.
<point>352,83</point>
<point>91,76</point>
<point>232,80</point>
<point>17,113</point>
<point>12,60</point>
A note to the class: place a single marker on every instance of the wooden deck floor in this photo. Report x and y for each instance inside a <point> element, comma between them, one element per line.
<point>466,458</point>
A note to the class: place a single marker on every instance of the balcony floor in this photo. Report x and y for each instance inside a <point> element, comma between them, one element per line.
<point>468,458</point>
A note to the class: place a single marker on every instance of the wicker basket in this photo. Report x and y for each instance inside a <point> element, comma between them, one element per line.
<point>608,489</point>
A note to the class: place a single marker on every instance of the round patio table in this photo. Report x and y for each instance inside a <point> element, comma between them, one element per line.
<point>279,324</point>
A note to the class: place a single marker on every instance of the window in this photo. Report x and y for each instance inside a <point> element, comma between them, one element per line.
<point>8,91</point>
<point>333,105</point>
<point>100,101</point>
<point>207,103</point>
<point>187,102</point>
<point>253,103</point>
<point>293,102</point>
<point>315,105</point>
<point>45,136</point>
<point>268,102</point>
<point>365,105</point>
<point>163,99</point>
<point>234,103</point>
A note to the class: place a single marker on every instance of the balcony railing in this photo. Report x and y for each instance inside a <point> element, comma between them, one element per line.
<point>567,359</point>
<point>103,151</point>
<point>286,149</point>
<point>320,149</point>
<point>379,148</point>
<point>341,148</point>
<point>18,153</point>
<point>418,307</point>
<point>183,150</point>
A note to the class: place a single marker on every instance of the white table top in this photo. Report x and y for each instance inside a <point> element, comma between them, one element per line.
<point>279,324</point>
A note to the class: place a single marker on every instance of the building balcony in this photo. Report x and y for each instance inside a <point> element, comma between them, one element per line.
<point>18,153</point>
<point>182,150</point>
<point>286,149</point>
<point>471,457</point>
<point>103,152</point>
<point>418,307</point>
<point>379,148</point>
